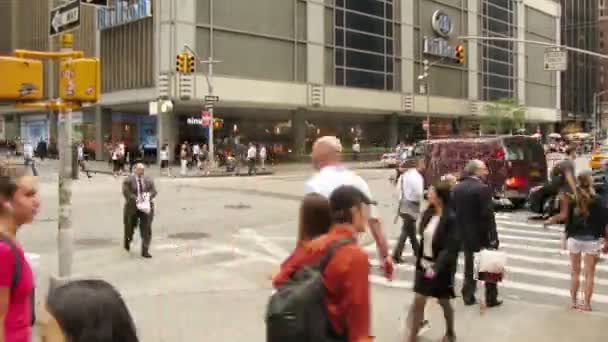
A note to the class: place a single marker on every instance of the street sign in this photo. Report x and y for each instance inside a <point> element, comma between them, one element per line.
<point>206,118</point>
<point>95,2</point>
<point>209,98</point>
<point>65,17</point>
<point>556,59</point>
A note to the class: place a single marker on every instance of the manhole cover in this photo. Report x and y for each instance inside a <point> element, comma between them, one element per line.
<point>189,236</point>
<point>93,242</point>
<point>239,206</point>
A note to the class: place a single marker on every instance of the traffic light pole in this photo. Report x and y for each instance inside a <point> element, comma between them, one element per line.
<point>65,237</point>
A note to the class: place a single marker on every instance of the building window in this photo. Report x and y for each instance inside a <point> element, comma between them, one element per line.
<point>364,39</point>
<point>498,57</point>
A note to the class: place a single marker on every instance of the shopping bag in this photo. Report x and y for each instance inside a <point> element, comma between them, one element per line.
<point>490,265</point>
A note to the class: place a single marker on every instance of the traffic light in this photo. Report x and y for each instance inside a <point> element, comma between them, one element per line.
<point>460,58</point>
<point>80,80</point>
<point>191,64</point>
<point>22,79</point>
<point>218,123</point>
<point>180,64</point>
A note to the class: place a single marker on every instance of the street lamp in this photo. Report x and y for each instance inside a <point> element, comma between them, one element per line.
<point>424,88</point>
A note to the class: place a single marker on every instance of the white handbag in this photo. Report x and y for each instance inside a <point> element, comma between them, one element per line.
<point>144,205</point>
<point>491,261</point>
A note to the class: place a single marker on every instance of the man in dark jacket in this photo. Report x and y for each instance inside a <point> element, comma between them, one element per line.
<point>135,189</point>
<point>473,206</point>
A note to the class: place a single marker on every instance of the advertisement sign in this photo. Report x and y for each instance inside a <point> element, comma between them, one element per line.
<point>147,132</point>
<point>124,13</point>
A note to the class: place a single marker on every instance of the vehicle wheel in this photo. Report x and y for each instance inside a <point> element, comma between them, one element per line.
<point>518,203</point>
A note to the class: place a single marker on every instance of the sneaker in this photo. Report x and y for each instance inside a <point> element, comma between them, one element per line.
<point>424,327</point>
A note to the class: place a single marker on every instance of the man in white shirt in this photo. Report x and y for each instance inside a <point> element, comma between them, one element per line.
<point>251,154</point>
<point>410,188</point>
<point>332,174</point>
<point>28,156</point>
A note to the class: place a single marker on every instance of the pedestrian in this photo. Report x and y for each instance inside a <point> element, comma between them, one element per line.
<point>19,204</point>
<point>116,169</point>
<point>251,157</point>
<point>87,310</point>
<point>474,210</point>
<point>164,160</point>
<point>332,174</point>
<point>184,159</point>
<point>314,221</point>
<point>28,157</point>
<point>81,159</point>
<point>436,262</point>
<point>263,156</point>
<point>196,151</point>
<point>585,219</point>
<point>410,188</point>
<point>345,276</point>
<point>139,192</point>
<point>205,162</point>
<point>356,150</point>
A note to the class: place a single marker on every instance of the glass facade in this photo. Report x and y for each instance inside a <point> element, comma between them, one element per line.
<point>497,59</point>
<point>365,48</point>
<point>579,29</point>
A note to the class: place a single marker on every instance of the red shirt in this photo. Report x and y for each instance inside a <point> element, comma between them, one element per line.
<point>346,280</point>
<point>17,320</point>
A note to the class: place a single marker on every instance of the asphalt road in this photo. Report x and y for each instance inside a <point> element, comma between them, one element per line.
<point>217,241</point>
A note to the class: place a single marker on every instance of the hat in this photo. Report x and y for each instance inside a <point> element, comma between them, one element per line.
<point>346,197</point>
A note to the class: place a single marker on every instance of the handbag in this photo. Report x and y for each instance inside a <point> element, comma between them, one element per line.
<point>490,265</point>
<point>144,205</point>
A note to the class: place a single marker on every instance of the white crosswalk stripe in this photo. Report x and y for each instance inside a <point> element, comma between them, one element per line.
<point>537,269</point>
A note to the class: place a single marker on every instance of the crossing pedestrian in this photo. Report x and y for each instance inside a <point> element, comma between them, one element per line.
<point>326,158</point>
<point>436,261</point>
<point>19,204</point>
<point>164,161</point>
<point>476,224</point>
<point>139,193</point>
<point>410,188</point>
<point>87,310</point>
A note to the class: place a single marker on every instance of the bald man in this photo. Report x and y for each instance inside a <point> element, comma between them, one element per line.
<point>137,189</point>
<point>326,158</point>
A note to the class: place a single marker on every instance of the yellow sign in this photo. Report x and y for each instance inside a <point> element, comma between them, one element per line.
<point>80,80</point>
<point>21,79</point>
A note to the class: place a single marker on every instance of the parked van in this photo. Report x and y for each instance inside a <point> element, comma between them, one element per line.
<point>515,163</point>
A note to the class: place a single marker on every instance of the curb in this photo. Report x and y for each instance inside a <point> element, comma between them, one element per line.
<point>213,175</point>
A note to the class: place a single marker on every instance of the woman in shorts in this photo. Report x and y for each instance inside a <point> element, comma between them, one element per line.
<point>584,237</point>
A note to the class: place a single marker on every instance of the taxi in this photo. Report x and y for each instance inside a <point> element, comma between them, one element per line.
<point>598,156</point>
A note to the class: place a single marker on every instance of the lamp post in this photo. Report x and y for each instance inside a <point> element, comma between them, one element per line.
<point>424,89</point>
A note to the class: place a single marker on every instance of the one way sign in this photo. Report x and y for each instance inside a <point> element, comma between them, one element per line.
<point>65,17</point>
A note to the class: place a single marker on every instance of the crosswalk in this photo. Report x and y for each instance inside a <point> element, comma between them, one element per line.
<point>537,270</point>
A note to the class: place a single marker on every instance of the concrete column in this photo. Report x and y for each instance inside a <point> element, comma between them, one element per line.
<point>315,34</point>
<point>521,53</point>
<point>407,52</point>
<point>167,131</point>
<point>472,50</point>
<point>393,129</point>
<point>298,127</point>
<point>103,130</point>
<point>52,126</point>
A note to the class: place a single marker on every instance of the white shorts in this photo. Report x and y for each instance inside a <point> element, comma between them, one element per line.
<point>592,247</point>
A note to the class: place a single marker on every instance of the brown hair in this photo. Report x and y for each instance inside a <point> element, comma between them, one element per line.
<point>315,217</point>
<point>585,193</point>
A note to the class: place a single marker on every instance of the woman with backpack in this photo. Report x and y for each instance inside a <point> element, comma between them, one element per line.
<point>436,261</point>
<point>585,230</point>
<point>19,203</point>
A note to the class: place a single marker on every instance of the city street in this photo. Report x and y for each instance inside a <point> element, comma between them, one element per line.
<point>217,242</point>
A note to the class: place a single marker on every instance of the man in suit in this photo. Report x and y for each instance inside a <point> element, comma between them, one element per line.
<point>473,205</point>
<point>135,188</point>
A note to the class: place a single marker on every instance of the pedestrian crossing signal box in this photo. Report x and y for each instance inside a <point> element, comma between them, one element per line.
<point>21,79</point>
<point>80,80</point>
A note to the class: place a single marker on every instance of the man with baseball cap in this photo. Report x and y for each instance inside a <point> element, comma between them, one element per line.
<point>332,174</point>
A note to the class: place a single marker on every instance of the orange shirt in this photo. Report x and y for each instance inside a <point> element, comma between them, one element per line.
<point>345,278</point>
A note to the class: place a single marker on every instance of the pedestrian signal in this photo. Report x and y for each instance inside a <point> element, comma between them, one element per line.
<point>80,80</point>
<point>22,79</point>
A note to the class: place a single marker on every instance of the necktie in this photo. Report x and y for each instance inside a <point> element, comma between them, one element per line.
<point>140,188</point>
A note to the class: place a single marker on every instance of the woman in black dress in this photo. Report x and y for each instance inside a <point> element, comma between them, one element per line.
<point>436,261</point>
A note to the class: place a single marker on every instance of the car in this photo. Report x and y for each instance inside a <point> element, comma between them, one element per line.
<point>597,157</point>
<point>516,163</point>
<point>389,160</point>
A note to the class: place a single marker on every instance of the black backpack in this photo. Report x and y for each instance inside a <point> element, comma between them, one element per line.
<point>17,276</point>
<point>296,312</point>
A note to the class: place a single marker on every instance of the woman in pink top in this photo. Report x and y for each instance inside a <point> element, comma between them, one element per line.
<point>19,203</point>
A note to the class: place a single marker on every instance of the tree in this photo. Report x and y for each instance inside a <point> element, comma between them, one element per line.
<point>503,116</point>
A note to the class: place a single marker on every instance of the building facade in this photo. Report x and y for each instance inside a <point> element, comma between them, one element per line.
<point>580,81</point>
<point>602,81</point>
<point>292,70</point>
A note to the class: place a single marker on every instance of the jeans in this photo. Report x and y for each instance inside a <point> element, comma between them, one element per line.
<point>408,230</point>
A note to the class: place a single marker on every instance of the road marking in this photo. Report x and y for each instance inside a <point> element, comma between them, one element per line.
<point>525,238</point>
<point>531,225</point>
<point>506,284</point>
<point>269,246</point>
<point>513,230</point>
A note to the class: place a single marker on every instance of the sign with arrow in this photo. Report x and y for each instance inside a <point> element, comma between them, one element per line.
<point>65,17</point>
<point>95,2</point>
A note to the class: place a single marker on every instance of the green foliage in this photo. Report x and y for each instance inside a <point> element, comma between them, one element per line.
<point>503,116</point>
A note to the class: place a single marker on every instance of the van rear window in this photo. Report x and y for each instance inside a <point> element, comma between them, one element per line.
<point>523,150</point>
